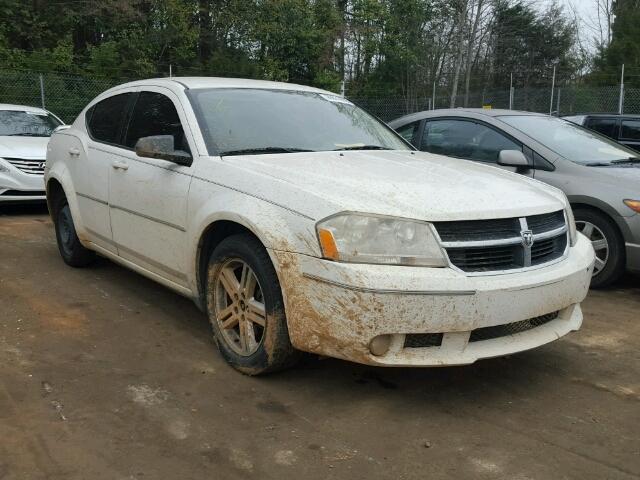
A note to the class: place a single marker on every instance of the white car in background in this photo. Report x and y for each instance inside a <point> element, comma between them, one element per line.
<point>24,134</point>
<point>298,222</point>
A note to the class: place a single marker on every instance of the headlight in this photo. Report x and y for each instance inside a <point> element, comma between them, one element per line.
<point>573,235</point>
<point>362,238</point>
<point>633,205</point>
<point>3,168</point>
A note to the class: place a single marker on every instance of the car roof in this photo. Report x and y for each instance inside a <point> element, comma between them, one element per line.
<point>460,112</point>
<point>21,108</point>
<point>623,115</point>
<point>221,82</point>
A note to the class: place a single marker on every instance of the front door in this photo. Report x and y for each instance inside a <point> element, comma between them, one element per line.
<point>148,197</point>
<point>469,140</point>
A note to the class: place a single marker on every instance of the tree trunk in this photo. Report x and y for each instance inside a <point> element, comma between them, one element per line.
<point>472,39</point>
<point>461,23</point>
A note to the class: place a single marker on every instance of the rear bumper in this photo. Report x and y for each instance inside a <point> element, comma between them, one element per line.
<point>337,309</point>
<point>16,186</point>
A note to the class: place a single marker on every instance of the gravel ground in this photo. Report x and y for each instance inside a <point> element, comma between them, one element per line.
<point>107,375</point>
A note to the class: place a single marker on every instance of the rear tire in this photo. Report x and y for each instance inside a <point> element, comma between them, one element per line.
<point>245,307</point>
<point>608,245</point>
<point>71,250</point>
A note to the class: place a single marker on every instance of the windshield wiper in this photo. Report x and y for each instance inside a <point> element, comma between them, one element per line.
<point>362,147</point>
<point>263,150</point>
<point>26,135</point>
<point>598,164</point>
<point>626,160</point>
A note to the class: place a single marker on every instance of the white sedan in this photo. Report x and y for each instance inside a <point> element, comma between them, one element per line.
<point>298,222</point>
<point>24,134</point>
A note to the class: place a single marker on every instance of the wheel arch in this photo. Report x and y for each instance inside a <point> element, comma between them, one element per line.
<point>210,237</point>
<point>604,209</point>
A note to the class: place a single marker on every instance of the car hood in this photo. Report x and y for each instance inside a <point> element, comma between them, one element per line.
<point>625,174</point>
<point>414,185</point>
<point>24,147</point>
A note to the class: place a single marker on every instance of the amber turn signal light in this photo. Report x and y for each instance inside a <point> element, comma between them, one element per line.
<point>633,205</point>
<point>328,244</point>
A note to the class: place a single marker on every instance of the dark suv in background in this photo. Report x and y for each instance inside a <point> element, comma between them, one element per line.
<point>624,129</point>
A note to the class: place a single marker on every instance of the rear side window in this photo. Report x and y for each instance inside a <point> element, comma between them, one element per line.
<point>465,139</point>
<point>155,114</point>
<point>106,118</point>
<point>631,130</point>
<point>605,126</point>
<point>408,131</point>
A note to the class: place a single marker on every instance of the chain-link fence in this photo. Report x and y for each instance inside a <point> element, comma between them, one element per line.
<point>63,94</point>
<point>567,100</point>
<point>66,94</point>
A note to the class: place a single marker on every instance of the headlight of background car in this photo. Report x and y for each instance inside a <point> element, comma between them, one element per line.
<point>362,238</point>
<point>573,235</point>
<point>633,205</point>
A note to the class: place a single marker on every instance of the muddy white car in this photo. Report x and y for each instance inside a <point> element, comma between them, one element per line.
<point>298,222</point>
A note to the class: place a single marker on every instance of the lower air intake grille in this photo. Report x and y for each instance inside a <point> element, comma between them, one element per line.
<point>421,340</point>
<point>489,333</point>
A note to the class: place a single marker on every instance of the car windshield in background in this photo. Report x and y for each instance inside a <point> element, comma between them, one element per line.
<point>571,141</point>
<point>26,124</point>
<point>260,121</point>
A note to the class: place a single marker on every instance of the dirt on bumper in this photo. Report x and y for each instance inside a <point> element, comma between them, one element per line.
<point>337,309</point>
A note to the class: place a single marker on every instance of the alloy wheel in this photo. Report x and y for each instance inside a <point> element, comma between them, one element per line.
<point>599,242</point>
<point>240,310</point>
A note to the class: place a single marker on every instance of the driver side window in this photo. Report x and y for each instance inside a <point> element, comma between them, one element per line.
<point>465,139</point>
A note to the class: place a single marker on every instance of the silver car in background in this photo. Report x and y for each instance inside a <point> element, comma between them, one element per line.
<point>600,177</point>
<point>24,134</point>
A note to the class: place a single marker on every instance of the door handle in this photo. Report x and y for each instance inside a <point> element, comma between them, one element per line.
<point>120,165</point>
<point>74,152</point>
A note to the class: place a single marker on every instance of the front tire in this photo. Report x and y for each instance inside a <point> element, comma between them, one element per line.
<point>245,307</point>
<point>607,243</point>
<point>71,250</point>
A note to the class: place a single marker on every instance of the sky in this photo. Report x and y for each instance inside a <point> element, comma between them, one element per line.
<point>587,13</point>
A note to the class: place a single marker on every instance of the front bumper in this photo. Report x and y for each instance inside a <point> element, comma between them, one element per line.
<point>16,186</point>
<point>337,309</point>
<point>632,243</point>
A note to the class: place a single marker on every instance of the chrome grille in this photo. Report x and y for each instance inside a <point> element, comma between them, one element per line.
<point>504,244</point>
<point>27,165</point>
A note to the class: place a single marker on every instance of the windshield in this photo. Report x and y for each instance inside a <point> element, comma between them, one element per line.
<point>253,121</point>
<point>27,124</point>
<point>571,141</point>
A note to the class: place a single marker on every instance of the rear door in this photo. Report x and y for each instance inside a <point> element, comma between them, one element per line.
<point>469,140</point>
<point>148,196</point>
<point>90,167</point>
<point>607,126</point>
<point>630,133</point>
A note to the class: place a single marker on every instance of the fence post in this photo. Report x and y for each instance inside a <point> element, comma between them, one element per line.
<point>558,102</point>
<point>42,90</point>
<point>433,95</point>
<point>621,99</point>
<point>511,93</point>
<point>553,86</point>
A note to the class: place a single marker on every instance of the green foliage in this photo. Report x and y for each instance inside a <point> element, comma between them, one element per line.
<point>624,47</point>
<point>381,47</point>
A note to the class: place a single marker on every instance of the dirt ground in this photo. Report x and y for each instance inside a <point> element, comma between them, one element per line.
<point>107,375</point>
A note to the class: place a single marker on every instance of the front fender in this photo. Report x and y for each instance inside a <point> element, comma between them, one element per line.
<point>276,227</point>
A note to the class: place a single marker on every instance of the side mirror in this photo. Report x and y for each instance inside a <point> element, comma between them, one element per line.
<point>59,128</point>
<point>162,147</point>
<point>513,158</point>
